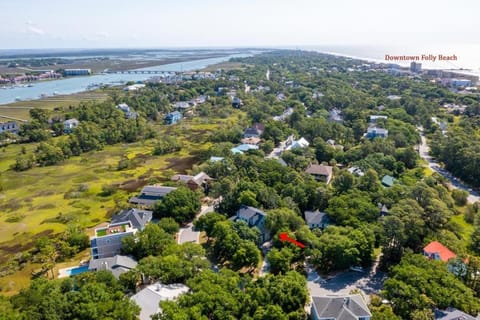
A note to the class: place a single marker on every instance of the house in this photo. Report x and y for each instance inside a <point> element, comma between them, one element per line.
<point>237,102</point>
<point>193,182</point>
<point>320,172</point>
<point>351,307</point>
<point>182,105</point>
<point>281,97</point>
<point>254,218</point>
<point>375,118</point>
<point>107,241</point>
<point>245,147</point>
<point>9,126</point>
<point>383,209</point>
<point>317,219</point>
<point>134,87</point>
<point>69,125</point>
<point>253,141</point>
<point>452,314</point>
<point>151,194</point>
<point>216,159</point>
<point>387,181</point>
<point>149,298</point>
<point>375,132</point>
<point>173,117</point>
<point>301,143</point>
<point>138,218</point>
<point>129,114</point>
<point>437,251</point>
<point>117,265</point>
<point>356,171</point>
<point>255,131</point>
<point>335,115</point>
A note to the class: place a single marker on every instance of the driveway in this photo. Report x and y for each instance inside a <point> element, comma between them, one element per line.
<point>424,152</point>
<point>188,233</point>
<point>369,282</point>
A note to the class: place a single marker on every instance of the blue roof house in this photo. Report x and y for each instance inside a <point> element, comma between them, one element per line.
<point>173,117</point>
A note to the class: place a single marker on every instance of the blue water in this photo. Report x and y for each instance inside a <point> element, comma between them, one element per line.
<point>79,84</point>
<point>77,270</point>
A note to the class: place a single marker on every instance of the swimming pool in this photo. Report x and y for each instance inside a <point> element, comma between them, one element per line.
<point>76,270</point>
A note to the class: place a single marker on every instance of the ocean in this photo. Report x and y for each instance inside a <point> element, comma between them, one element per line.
<point>468,56</point>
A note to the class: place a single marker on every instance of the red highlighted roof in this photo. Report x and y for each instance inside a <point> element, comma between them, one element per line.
<point>436,250</point>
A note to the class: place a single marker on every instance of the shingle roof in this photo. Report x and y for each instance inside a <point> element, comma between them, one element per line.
<point>159,191</point>
<point>149,298</point>
<point>138,218</point>
<point>316,217</point>
<point>116,265</point>
<point>443,252</point>
<point>452,314</point>
<point>247,212</point>
<point>319,169</point>
<point>341,307</point>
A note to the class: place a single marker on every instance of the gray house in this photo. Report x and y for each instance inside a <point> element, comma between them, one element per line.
<point>317,219</point>
<point>138,218</point>
<point>151,194</point>
<point>107,241</point>
<point>452,314</point>
<point>254,218</point>
<point>351,307</point>
<point>117,265</point>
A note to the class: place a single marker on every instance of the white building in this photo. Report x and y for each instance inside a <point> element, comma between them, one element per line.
<point>149,298</point>
<point>70,124</point>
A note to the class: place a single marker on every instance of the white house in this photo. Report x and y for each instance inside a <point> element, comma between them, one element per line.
<point>70,124</point>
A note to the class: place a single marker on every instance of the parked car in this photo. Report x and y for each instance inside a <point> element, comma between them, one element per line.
<point>356,269</point>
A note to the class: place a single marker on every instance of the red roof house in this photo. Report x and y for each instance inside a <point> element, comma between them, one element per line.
<point>437,251</point>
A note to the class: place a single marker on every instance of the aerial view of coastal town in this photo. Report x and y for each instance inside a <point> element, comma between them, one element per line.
<point>252,160</point>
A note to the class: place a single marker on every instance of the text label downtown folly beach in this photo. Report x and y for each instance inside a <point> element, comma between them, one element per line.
<point>422,57</point>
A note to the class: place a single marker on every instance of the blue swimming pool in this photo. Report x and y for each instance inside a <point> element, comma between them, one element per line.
<point>77,270</point>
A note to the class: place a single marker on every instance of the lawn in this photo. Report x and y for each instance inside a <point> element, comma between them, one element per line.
<point>20,109</point>
<point>43,200</point>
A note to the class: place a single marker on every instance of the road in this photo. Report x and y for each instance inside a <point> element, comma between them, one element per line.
<point>188,233</point>
<point>369,282</point>
<point>455,183</point>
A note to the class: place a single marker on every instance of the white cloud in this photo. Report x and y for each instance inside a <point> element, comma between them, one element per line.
<point>35,29</point>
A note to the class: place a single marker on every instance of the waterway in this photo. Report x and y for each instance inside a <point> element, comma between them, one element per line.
<point>80,84</point>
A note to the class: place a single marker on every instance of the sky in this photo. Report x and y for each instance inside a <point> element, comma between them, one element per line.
<point>225,23</point>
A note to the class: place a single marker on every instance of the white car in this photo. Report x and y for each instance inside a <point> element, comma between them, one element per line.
<point>357,269</point>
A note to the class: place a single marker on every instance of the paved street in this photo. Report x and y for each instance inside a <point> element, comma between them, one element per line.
<point>455,183</point>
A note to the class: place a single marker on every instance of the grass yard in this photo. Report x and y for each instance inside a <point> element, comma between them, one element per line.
<point>20,109</point>
<point>43,200</point>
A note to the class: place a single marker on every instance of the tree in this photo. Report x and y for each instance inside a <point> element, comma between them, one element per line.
<point>418,284</point>
<point>169,225</point>
<point>280,260</point>
<point>207,222</point>
<point>47,154</point>
<point>181,204</point>
<point>283,219</point>
<point>92,295</point>
<point>150,241</point>
<point>460,197</point>
<point>247,255</point>
<point>344,182</point>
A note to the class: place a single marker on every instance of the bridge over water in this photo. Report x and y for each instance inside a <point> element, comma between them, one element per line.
<point>139,72</point>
